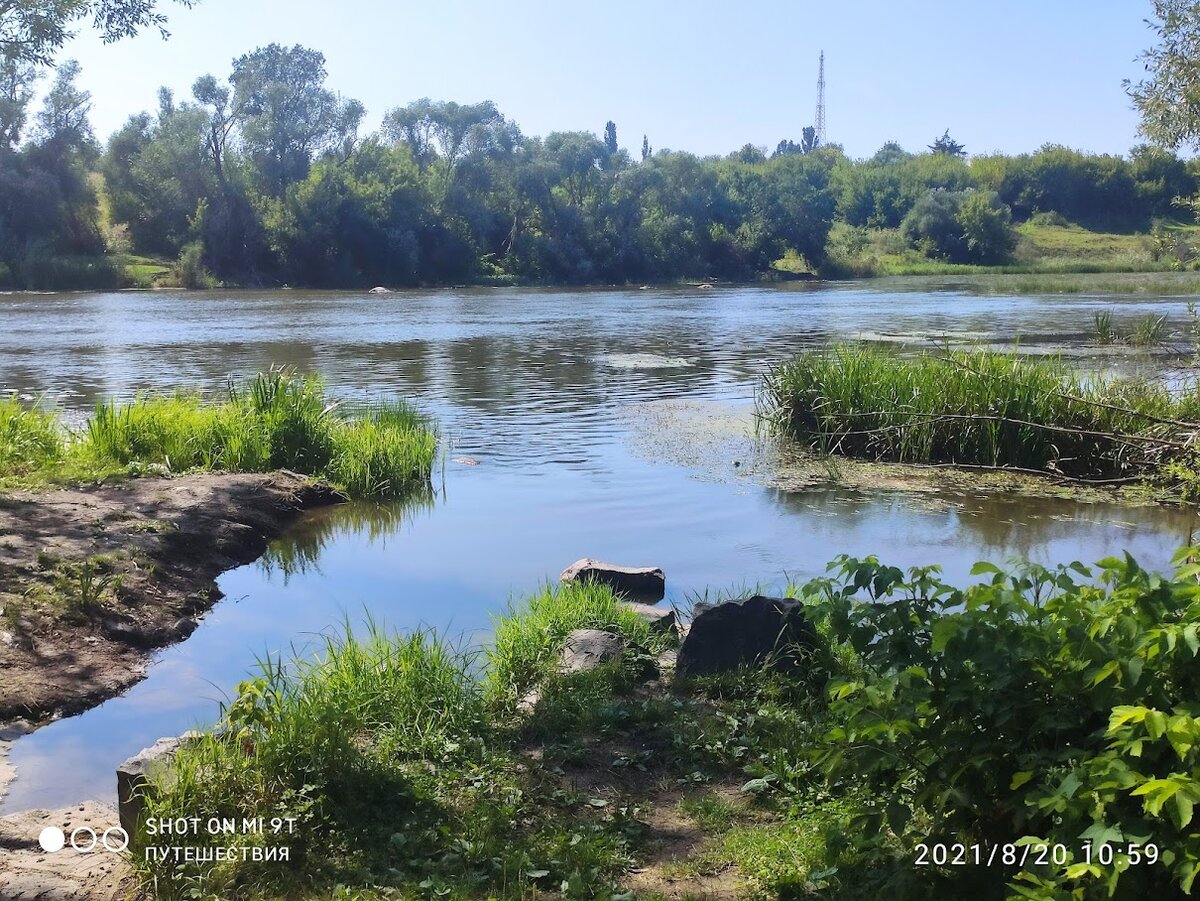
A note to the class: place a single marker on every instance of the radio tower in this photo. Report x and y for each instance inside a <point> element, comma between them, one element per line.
<point>820,123</point>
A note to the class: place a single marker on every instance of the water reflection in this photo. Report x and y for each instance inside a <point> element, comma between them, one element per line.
<point>538,387</point>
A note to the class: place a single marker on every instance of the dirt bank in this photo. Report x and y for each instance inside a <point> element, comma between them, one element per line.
<point>93,579</point>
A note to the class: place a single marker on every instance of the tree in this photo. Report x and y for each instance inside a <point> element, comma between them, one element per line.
<point>1169,99</point>
<point>62,124</point>
<point>17,78</point>
<point>987,227</point>
<point>808,140</point>
<point>948,146</point>
<point>646,151</point>
<point>32,31</point>
<point>290,117</point>
<point>610,137</point>
<point>442,135</point>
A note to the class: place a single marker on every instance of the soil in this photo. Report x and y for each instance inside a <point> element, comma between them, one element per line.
<point>31,874</point>
<point>93,579</point>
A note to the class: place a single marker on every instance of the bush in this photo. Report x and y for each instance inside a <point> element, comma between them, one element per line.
<point>961,226</point>
<point>1039,706</point>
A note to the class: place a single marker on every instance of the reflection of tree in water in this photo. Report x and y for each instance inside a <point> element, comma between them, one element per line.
<point>299,550</point>
<point>995,526</point>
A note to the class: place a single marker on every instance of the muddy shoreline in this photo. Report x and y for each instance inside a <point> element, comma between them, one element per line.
<point>94,579</point>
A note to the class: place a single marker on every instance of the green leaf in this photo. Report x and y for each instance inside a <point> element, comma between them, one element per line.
<point>984,567</point>
<point>1191,639</point>
<point>537,874</point>
<point>1183,810</point>
<point>1020,779</point>
<point>1105,671</point>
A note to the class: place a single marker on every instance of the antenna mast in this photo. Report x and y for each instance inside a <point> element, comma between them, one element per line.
<point>820,123</point>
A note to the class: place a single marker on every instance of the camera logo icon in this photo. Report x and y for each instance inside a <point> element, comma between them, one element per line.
<point>84,839</point>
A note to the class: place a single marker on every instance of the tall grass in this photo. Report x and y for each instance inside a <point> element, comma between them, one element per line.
<point>277,420</point>
<point>530,633</point>
<point>991,409</point>
<point>30,437</point>
<point>388,753</point>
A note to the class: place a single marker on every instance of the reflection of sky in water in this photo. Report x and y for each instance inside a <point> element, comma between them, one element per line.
<point>451,565</point>
<point>536,386</point>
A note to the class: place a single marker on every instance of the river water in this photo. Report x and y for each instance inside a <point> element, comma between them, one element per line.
<point>560,398</point>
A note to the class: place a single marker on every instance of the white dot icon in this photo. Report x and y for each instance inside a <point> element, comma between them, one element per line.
<point>52,839</point>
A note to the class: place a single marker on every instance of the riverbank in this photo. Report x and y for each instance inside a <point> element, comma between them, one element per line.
<point>93,579</point>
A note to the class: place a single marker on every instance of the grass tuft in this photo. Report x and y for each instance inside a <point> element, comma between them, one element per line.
<point>278,420</point>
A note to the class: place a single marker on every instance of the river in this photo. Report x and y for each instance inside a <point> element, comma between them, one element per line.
<point>560,405</point>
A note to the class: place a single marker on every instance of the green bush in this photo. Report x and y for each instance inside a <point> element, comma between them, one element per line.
<point>1042,706</point>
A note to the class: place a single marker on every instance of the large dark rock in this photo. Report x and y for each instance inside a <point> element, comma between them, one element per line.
<point>749,631</point>
<point>641,582</point>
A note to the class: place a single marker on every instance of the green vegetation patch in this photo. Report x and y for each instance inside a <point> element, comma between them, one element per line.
<point>988,409</point>
<point>1049,708</point>
<point>277,420</point>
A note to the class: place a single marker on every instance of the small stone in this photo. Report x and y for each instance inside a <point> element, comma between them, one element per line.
<point>586,649</point>
<point>660,619</point>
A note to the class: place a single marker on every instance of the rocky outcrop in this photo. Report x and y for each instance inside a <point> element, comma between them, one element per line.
<point>746,632</point>
<point>641,582</point>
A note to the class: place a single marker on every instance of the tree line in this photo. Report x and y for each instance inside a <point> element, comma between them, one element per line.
<point>263,177</point>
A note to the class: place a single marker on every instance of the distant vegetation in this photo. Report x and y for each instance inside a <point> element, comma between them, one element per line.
<point>262,178</point>
<point>276,421</point>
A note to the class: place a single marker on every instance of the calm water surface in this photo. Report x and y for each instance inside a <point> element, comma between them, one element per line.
<point>549,391</point>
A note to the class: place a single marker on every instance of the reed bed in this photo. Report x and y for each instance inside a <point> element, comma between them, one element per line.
<point>277,420</point>
<point>983,409</point>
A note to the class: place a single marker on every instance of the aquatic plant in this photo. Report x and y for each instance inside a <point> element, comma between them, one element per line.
<point>995,410</point>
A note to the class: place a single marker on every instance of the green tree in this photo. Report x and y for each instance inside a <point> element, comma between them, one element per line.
<point>1169,99</point>
<point>34,30</point>
<point>987,229</point>
<point>947,145</point>
<point>17,78</point>
<point>290,117</point>
<point>610,137</point>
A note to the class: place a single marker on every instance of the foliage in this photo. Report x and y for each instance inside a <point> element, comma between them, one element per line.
<point>961,226</point>
<point>1166,99</point>
<point>34,31</point>
<point>1038,706</point>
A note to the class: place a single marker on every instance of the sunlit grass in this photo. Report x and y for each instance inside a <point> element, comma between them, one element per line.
<point>277,420</point>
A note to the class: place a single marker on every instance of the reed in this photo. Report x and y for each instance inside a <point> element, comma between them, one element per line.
<point>983,409</point>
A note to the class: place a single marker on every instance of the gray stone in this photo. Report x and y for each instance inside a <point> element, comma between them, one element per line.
<point>660,619</point>
<point>586,649</point>
<point>641,582</point>
<point>746,632</point>
<point>133,777</point>
<point>379,289</point>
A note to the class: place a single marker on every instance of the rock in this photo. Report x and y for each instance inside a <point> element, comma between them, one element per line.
<point>183,627</point>
<point>660,619</point>
<point>749,631</point>
<point>133,775</point>
<point>647,583</point>
<point>586,649</point>
<point>378,289</point>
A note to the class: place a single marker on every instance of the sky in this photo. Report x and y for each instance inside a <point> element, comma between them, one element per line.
<point>703,76</point>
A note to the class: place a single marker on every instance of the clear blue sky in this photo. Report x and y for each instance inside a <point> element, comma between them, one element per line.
<point>701,76</point>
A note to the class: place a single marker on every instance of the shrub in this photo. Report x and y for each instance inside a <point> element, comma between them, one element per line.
<point>1040,705</point>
